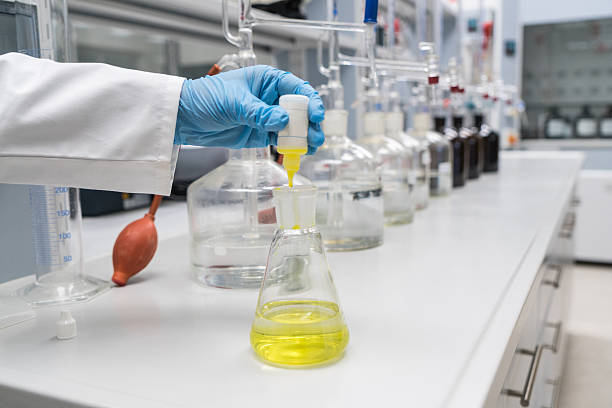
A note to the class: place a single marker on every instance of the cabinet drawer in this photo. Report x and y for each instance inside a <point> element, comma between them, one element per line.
<point>536,364</point>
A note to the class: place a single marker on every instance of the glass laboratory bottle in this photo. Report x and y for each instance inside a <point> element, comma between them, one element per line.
<point>393,165</point>
<point>585,124</point>
<point>459,149</point>
<point>490,144</point>
<point>298,320</point>
<point>476,149</point>
<point>439,157</point>
<point>58,255</point>
<point>605,124</point>
<point>461,134</point>
<point>349,203</point>
<point>555,126</point>
<point>232,219</point>
<point>418,176</point>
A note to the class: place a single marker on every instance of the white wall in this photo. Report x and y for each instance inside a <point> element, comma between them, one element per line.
<point>550,11</point>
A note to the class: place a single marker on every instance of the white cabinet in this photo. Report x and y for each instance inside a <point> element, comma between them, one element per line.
<point>535,371</point>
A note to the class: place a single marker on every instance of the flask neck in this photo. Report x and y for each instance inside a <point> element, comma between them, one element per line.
<point>478,120</point>
<point>250,154</point>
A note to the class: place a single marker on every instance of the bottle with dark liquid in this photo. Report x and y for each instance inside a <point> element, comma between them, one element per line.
<point>459,149</point>
<point>490,142</point>
<point>605,124</point>
<point>475,148</point>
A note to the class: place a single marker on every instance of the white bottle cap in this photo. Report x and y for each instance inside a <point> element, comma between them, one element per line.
<point>66,326</point>
<point>374,123</point>
<point>394,122</point>
<point>295,135</point>
<point>422,122</point>
<point>293,101</point>
<point>335,123</point>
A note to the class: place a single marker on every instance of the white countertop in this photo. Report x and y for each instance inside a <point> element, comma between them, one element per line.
<point>429,312</point>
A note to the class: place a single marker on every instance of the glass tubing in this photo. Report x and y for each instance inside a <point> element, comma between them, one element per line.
<point>246,21</point>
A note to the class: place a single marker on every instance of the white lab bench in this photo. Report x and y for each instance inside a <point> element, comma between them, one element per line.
<point>435,314</point>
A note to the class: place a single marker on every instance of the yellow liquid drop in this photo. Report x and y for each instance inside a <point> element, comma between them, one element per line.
<point>299,332</point>
<point>291,160</point>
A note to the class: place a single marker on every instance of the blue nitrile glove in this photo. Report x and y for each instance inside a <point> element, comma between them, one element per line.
<point>240,109</point>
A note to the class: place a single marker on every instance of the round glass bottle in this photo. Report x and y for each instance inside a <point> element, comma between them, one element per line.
<point>440,156</point>
<point>232,219</point>
<point>393,165</point>
<point>349,202</point>
<point>490,144</point>
<point>476,148</point>
<point>460,149</point>
<point>419,150</point>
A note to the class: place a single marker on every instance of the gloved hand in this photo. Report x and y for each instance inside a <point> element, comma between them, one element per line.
<point>240,109</point>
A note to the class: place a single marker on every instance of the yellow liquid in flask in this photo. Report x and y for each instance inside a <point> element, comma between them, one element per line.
<point>299,332</point>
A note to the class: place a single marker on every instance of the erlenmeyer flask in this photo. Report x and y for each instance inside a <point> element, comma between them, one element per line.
<point>298,321</point>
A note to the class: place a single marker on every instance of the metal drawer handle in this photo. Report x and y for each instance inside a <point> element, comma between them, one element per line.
<point>555,395</point>
<point>554,346</point>
<point>525,394</point>
<point>555,283</point>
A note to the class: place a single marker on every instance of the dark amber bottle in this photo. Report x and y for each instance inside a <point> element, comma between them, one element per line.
<point>490,143</point>
<point>459,148</point>
<point>476,152</point>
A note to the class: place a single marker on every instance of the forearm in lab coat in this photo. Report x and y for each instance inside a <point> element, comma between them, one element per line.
<point>86,125</point>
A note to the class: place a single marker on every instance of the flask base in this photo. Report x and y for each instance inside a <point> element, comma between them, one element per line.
<point>299,333</point>
<point>231,277</point>
<point>41,293</point>
<point>343,244</point>
<point>399,218</point>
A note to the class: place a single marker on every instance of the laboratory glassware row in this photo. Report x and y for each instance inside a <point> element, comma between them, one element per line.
<point>254,224</point>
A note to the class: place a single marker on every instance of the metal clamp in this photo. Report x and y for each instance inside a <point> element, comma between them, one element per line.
<point>525,394</point>
<point>555,283</point>
<point>554,346</point>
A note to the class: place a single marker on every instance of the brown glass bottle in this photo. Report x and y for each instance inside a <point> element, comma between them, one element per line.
<point>476,152</point>
<point>490,143</point>
<point>459,149</point>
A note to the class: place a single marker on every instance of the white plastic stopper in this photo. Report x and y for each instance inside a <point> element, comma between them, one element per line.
<point>66,327</point>
<point>374,123</point>
<point>394,122</point>
<point>295,135</point>
<point>422,122</point>
<point>335,123</point>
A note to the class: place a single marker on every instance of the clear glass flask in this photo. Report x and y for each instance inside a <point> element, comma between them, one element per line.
<point>298,320</point>
<point>56,231</point>
<point>394,166</point>
<point>421,158</point>
<point>232,219</point>
<point>349,202</point>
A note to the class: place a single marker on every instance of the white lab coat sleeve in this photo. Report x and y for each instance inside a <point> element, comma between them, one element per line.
<point>87,125</point>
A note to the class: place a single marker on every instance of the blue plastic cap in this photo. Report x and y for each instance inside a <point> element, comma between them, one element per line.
<point>371,12</point>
